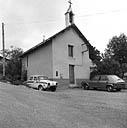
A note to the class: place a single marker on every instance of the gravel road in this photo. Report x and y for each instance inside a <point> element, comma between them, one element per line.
<point>22,107</point>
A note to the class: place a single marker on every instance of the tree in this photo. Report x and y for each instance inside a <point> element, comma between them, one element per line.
<point>117,51</point>
<point>13,67</point>
<point>94,54</point>
<point>108,66</point>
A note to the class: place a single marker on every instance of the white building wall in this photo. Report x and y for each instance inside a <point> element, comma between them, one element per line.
<point>61,60</point>
<point>39,61</point>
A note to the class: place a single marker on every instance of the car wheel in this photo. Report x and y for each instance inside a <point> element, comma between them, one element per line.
<point>40,87</point>
<point>53,89</point>
<point>118,89</point>
<point>109,88</point>
<point>85,86</point>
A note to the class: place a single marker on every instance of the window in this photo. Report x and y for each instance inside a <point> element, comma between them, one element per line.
<point>70,50</point>
<point>103,78</point>
<point>27,61</point>
<point>35,78</point>
<point>96,78</point>
<point>31,78</point>
<point>56,73</point>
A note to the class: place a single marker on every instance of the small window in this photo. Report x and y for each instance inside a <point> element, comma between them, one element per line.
<point>31,78</point>
<point>70,50</point>
<point>35,78</point>
<point>103,78</point>
<point>27,61</point>
<point>56,73</point>
<point>96,78</point>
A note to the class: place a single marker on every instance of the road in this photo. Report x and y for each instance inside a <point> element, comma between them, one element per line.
<point>22,107</point>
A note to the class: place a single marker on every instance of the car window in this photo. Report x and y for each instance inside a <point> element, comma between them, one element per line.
<point>35,78</point>
<point>96,78</point>
<point>31,78</point>
<point>103,78</point>
<point>43,78</point>
<point>114,78</point>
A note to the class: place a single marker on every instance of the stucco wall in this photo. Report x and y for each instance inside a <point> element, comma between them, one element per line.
<point>40,61</point>
<point>61,60</point>
<point>53,57</point>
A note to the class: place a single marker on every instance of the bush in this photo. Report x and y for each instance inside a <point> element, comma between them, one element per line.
<point>17,82</point>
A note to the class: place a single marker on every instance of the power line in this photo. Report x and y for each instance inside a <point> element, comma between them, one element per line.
<point>34,22</point>
<point>61,19</point>
<point>100,13</point>
<point>57,20</point>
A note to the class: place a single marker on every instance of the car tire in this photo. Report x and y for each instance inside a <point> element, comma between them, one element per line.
<point>118,89</point>
<point>109,88</point>
<point>85,86</point>
<point>53,89</point>
<point>40,87</point>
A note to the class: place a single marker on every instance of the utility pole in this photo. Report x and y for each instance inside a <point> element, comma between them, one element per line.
<point>3,50</point>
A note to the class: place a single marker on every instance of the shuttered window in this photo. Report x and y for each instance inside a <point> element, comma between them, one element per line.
<point>70,50</point>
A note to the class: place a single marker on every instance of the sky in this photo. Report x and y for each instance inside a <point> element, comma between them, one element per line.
<point>28,21</point>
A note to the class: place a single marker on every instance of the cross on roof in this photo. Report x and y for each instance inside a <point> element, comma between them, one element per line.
<point>69,9</point>
<point>70,2</point>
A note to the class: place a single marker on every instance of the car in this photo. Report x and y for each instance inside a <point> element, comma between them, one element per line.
<point>106,82</point>
<point>41,82</point>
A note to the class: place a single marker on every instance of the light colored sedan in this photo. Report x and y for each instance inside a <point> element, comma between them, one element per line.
<point>41,83</point>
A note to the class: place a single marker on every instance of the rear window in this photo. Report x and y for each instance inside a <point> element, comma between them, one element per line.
<point>43,78</point>
<point>113,78</point>
<point>96,78</point>
<point>103,78</point>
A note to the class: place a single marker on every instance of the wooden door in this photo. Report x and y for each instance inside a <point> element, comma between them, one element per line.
<point>71,74</point>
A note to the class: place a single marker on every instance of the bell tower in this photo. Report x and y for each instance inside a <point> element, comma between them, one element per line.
<point>69,16</point>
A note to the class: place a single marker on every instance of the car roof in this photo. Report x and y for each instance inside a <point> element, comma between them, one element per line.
<point>106,75</point>
<point>36,75</point>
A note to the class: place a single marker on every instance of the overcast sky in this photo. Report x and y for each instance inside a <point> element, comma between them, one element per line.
<point>26,21</point>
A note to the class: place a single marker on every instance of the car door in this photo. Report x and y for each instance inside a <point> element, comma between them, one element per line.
<point>30,82</point>
<point>35,83</point>
<point>103,81</point>
<point>94,82</point>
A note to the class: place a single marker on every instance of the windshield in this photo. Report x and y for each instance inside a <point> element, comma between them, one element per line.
<point>114,78</point>
<point>43,78</point>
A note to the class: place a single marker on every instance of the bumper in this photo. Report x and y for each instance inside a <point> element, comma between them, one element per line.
<point>122,86</point>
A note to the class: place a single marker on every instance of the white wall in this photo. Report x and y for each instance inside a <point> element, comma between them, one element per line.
<point>61,60</point>
<point>40,61</point>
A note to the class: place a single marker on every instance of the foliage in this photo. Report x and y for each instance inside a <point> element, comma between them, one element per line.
<point>108,66</point>
<point>114,60</point>
<point>94,54</point>
<point>13,66</point>
<point>115,56</point>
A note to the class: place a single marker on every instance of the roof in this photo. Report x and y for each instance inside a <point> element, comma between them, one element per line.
<point>49,39</point>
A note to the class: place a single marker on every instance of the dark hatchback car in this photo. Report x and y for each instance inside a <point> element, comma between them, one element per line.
<point>105,82</point>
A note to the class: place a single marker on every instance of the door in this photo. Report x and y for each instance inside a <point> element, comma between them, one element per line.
<point>94,83</point>
<point>71,74</point>
<point>103,82</point>
<point>30,82</point>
